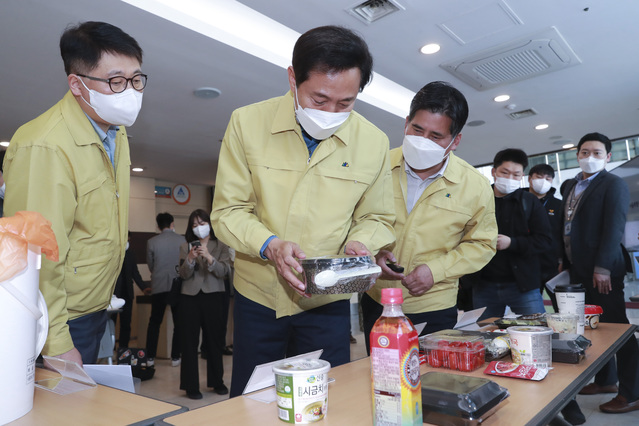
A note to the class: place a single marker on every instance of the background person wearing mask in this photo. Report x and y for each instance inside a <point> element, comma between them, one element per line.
<point>301,175</point>
<point>512,277</point>
<point>71,164</point>
<point>540,179</point>
<point>445,211</point>
<point>205,262</point>
<point>595,205</point>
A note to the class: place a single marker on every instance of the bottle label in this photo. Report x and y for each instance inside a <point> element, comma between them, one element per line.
<point>397,398</point>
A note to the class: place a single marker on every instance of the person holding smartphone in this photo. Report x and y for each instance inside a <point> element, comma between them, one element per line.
<point>204,264</point>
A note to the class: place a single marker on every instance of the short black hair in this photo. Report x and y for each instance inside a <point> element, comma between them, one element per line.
<point>164,220</point>
<point>595,137</point>
<point>440,97</point>
<point>331,49</point>
<point>511,154</point>
<point>204,216</point>
<point>82,45</point>
<point>542,170</point>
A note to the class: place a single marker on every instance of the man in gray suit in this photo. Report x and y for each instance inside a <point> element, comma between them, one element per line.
<point>162,256</point>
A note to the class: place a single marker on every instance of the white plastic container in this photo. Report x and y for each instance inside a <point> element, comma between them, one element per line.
<point>25,323</point>
<point>302,390</point>
<point>531,345</point>
<point>571,299</point>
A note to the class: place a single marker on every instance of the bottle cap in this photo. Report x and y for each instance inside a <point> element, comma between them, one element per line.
<point>392,295</point>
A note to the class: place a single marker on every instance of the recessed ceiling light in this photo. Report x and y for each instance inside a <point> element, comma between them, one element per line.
<point>207,92</point>
<point>568,145</point>
<point>541,126</point>
<point>501,98</point>
<point>476,123</point>
<point>137,169</point>
<point>4,143</point>
<point>429,49</point>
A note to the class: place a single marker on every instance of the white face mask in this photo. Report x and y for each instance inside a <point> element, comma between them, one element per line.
<point>120,109</point>
<point>591,164</point>
<point>202,231</point>
<point>540,186</point>
<point>507,186</point>
<point>127,246</point>
<point>317,123</point>
<point>421,153</point>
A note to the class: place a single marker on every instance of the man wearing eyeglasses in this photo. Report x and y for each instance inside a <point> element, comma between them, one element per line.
<point>71,164</point>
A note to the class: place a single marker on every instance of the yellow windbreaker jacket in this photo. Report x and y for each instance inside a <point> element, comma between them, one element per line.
<point>267,185</point>
<point>56,165</point>
<point>452,229</point>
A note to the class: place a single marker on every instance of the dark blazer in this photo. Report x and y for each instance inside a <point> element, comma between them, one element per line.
<point>550,258</point>
<point>128,274</point>
<point>597,226</point>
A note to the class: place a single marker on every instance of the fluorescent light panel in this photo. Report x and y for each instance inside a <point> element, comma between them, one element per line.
<point>243,28</point>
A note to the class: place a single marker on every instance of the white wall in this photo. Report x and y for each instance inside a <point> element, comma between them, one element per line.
<point>144,206</point>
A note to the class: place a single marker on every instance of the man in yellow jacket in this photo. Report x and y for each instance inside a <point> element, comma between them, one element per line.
<point>445,208</point>
<point>301,176</point>
<point>71,164</point>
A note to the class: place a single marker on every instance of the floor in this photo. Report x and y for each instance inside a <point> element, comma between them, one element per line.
<point>165,383</point>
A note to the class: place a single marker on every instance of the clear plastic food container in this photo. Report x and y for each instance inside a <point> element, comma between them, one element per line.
<point>455,352</point>
<point>340,274</point>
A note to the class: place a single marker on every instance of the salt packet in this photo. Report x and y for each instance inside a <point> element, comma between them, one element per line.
<point>518,371</point>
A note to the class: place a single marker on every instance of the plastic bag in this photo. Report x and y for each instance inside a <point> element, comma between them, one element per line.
<point>16,233</point>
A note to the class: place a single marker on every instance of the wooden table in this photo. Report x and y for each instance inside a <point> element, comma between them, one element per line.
<point>349,400</point>
<point>101,405</point>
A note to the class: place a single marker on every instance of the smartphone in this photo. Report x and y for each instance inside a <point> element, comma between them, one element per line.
<point>395,268</point>
<point>196,243</point>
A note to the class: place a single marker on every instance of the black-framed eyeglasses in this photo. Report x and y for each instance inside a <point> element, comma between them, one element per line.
<point>119,84</point>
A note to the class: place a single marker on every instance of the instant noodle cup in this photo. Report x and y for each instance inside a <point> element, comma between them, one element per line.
<point>302,390</point>
<point>531,345</point>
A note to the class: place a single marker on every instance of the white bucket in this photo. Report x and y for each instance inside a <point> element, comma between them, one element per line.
<point>24,324</point>
<point>531,345</point>
<point>302,390</point>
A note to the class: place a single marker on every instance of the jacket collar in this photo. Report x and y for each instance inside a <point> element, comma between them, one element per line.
<point>82,131</point>
<point>285,120</point>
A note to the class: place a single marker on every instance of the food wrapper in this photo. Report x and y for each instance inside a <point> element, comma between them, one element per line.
<point>16,233</point>
<point>517,371</point>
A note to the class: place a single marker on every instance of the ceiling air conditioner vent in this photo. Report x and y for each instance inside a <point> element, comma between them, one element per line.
<point>372,10</point>
<point>524,58</point>
<point>522,114</point>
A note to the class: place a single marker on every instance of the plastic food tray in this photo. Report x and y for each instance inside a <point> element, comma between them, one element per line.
<point>455,352</point>
<point>569,348</point>
<point>358,284</point>
<point>451,399</point>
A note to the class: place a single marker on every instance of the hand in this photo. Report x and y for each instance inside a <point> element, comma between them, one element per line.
<point>285,255</point>
<point>147,291</point>
<point>602,283</point>
<point>203,251</point>
<point>192,254</point>
<point>419,281</point>
<point>503,242</point>
<point>381,259</point>
<point>355,248</point>
<point>72,355</point>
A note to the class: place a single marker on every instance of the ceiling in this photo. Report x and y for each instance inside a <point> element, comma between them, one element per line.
<point>177,136</point>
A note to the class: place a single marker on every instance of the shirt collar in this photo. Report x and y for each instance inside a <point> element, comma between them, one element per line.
<point>441,171</point>
<point>101,133</point>
<point>580,177</point>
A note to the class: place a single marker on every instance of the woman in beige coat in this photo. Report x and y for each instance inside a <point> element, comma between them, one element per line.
<point>204,264</point>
